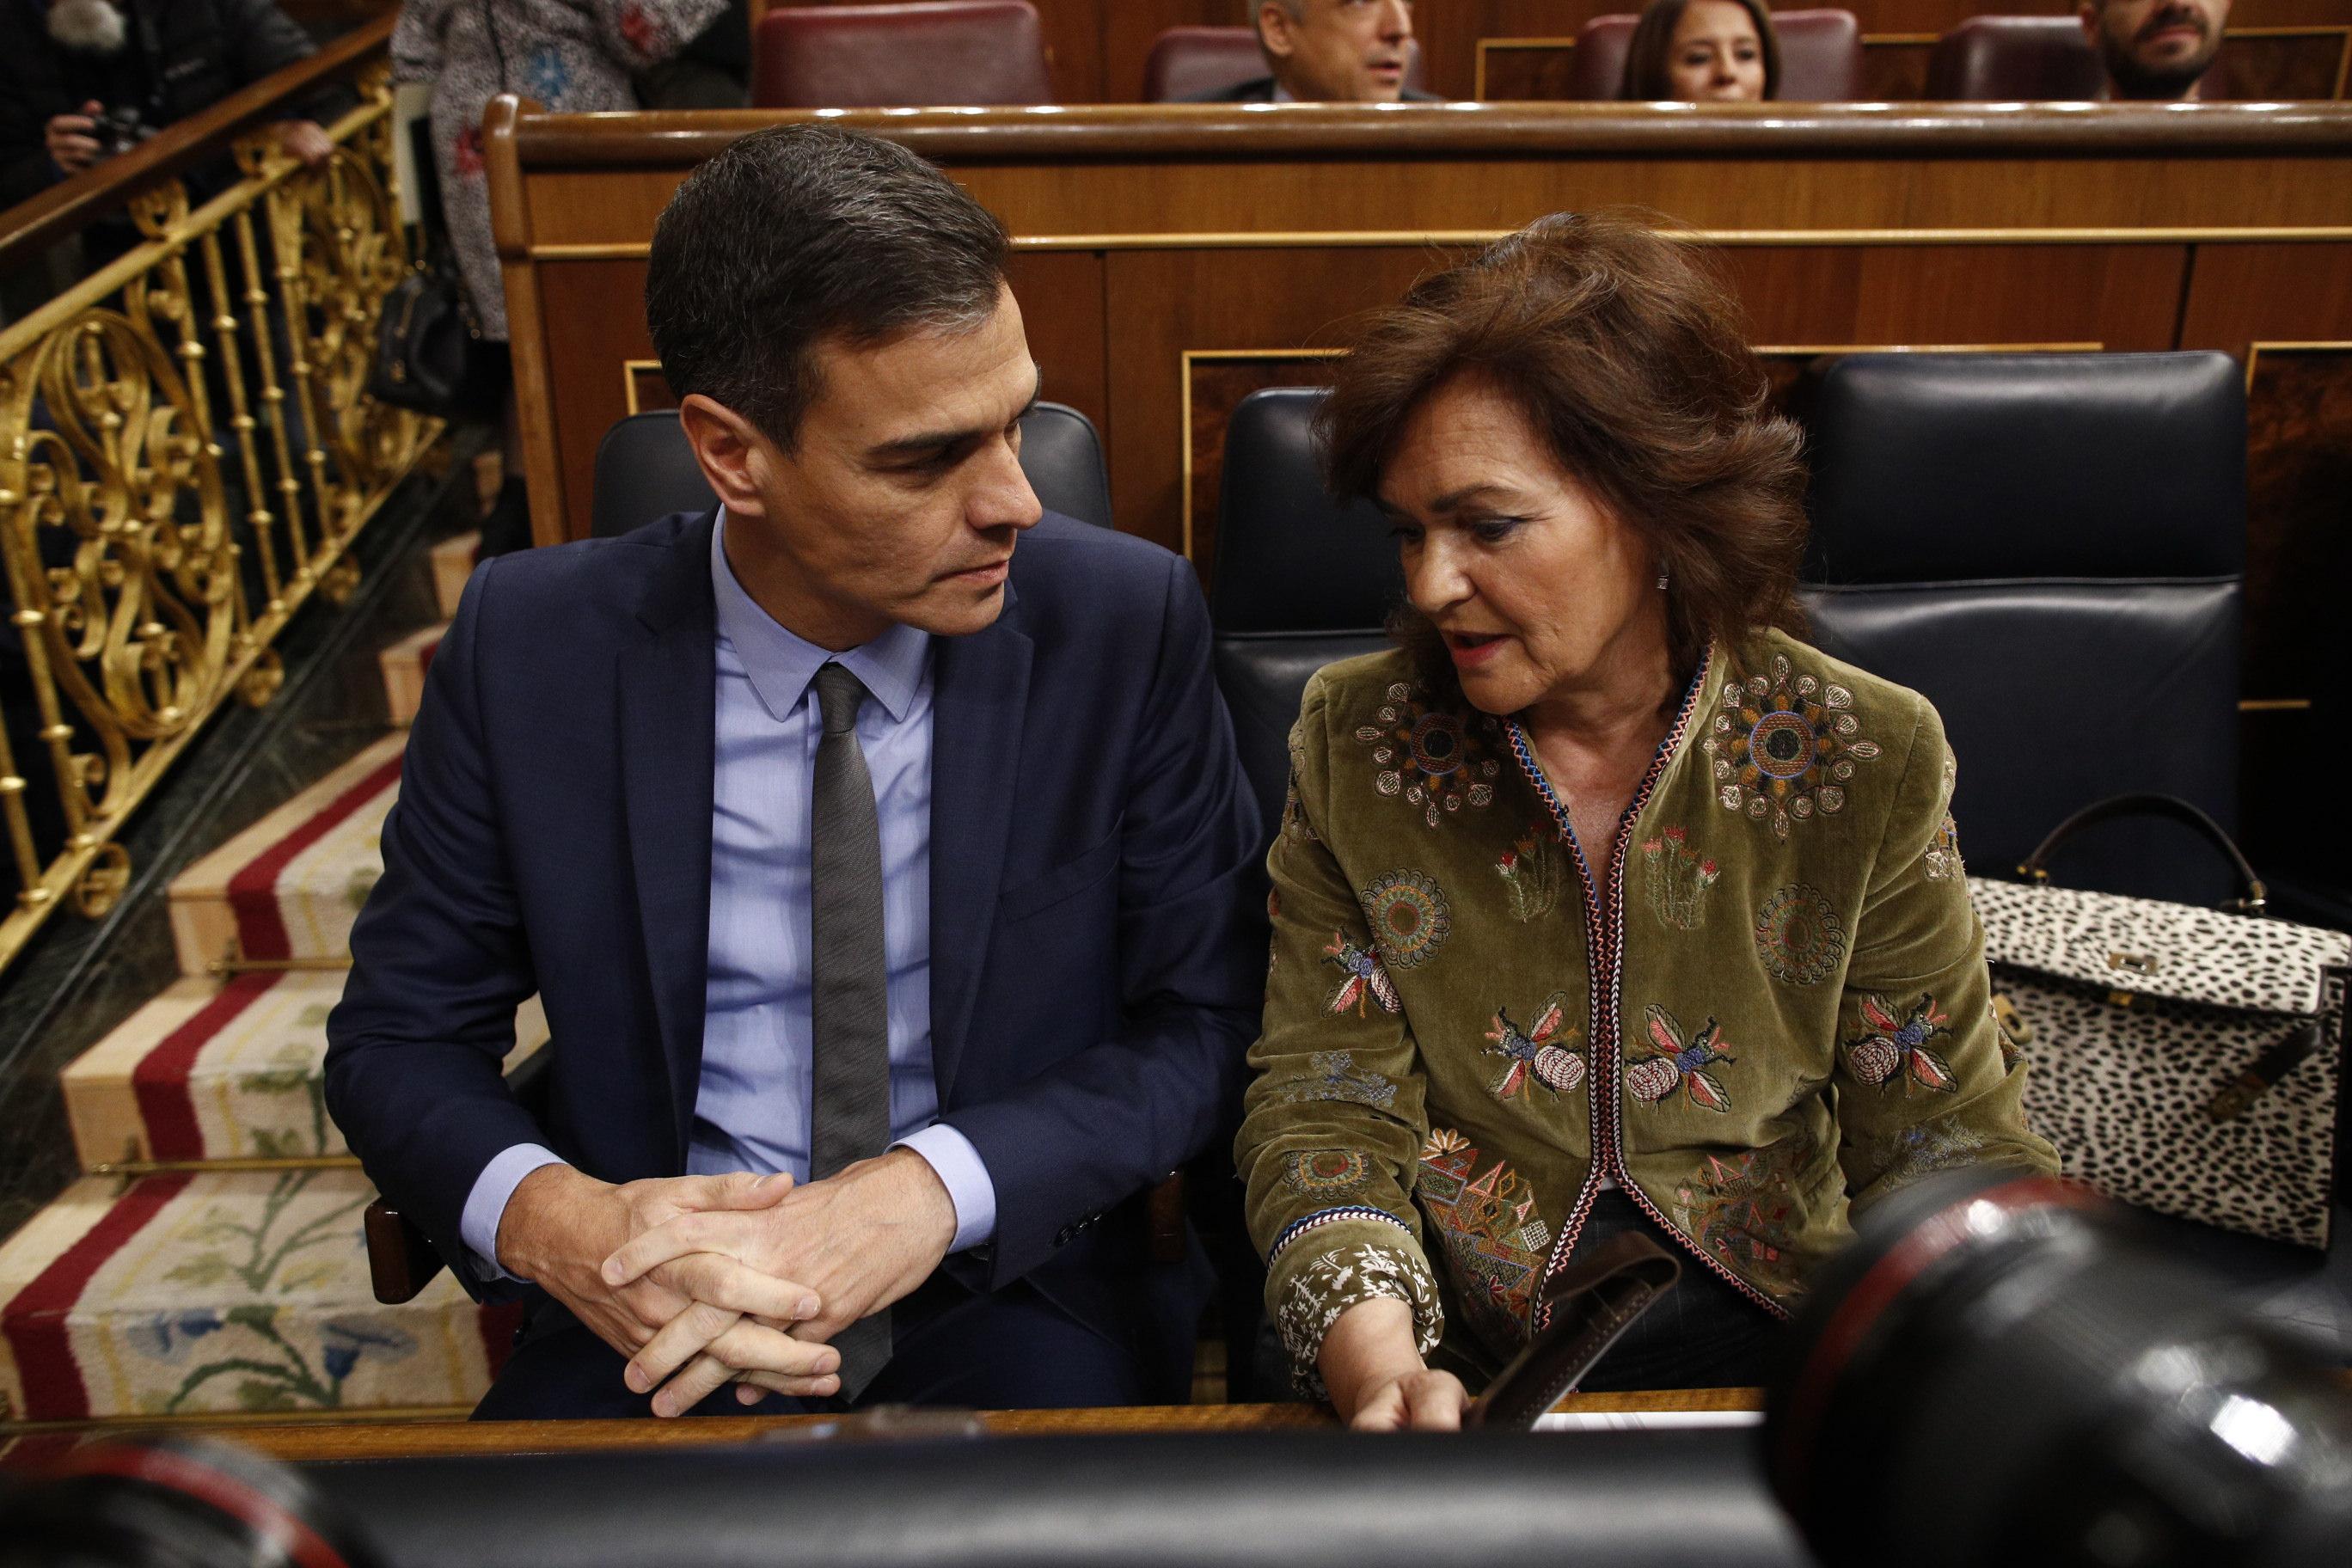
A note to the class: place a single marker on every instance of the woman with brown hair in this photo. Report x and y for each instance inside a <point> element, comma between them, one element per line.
<point>1603,902</point>
<point>1702,51</point>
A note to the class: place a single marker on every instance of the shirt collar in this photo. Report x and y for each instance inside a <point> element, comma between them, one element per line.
<point>780,664</point>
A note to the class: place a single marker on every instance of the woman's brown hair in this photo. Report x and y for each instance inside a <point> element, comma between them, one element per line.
<point>1624,348</point>
<point>1653,45</point>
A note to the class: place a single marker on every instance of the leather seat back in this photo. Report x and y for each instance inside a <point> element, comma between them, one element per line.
<point>881,56</point>
<point>2052,548</point>
<point>1300,579</point>
<point>644,469</point>
<point>2015,60</point>
<point>1187,62</point>
<point>1821,57</point>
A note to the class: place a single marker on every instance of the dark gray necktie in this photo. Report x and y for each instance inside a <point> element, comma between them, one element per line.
<point>850,1119</point>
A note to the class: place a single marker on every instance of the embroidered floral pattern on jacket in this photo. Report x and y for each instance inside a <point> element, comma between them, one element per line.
<point>1784,745</point>
<point>1900,1049</point>
<point>1678,879</point>
<point>1407,911</point>
<point>1531,870</point>
<point>1325,1173</point>
<point>1362,977</point>
<point>1682,1062</point>
<point>1540,1052</point>
<point>1740,1209</point>
<point>1942,854</point>
<point>1340,1278</point>
<point>1922,1148</point>
<point>1493,1239</point>
<point>1799,936</point>
<point>1336,1078</point>
<point>1429,755</point>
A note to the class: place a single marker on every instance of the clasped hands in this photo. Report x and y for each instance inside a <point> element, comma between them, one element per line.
<point>703,1280</point>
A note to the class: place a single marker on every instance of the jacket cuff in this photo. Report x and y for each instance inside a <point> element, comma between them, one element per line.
<point>1321,1270</point>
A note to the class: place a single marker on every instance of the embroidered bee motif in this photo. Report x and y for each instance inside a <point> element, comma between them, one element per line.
<point>1682,1063</point>
<point>1881,1056</point>
<point>1362,976</point>
<point>1538,1051</point>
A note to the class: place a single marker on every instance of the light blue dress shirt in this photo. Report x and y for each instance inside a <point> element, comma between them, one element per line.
<point>751,1107</point>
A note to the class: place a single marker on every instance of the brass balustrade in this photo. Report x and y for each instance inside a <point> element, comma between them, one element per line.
<point>198,398</point>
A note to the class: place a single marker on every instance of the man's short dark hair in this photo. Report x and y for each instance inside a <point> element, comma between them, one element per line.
<point>801,233</point>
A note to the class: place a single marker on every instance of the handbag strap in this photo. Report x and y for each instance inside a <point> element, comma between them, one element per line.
<point>2249,902</point>
<point>1593,1301</point>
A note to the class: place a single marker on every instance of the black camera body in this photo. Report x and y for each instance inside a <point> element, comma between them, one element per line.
<point>118,129</point>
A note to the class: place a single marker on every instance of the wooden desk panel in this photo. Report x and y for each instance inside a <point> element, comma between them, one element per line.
<point>1171,260</point>
<point>333,1441</point>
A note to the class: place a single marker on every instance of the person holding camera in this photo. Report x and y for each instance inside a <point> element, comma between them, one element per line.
<point>85,79</point>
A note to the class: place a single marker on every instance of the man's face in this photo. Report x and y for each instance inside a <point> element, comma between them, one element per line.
<point>2156,48</point>
<point>903,497</point>
<point>1339,51</point>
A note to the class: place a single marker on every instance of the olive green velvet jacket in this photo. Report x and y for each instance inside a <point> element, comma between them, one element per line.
<point>1770,1007</point>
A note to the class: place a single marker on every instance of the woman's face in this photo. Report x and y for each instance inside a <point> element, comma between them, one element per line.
<point>1540,591</point>
<point>1716,57</point>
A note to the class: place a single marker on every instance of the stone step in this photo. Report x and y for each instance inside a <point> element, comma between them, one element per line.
<point>453,562</point>
<point>222,1070</point>
<point>287,889</point>
<point>199,1293</point>
<point>404,665</point>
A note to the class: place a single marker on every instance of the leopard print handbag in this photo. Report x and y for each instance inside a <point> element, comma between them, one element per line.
<point>2184,1059</point>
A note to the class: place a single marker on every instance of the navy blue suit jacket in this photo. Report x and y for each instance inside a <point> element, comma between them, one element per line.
<point>1098,943</point>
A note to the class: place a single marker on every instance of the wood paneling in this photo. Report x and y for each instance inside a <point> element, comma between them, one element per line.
<point>2299,487</point>
<point>2272,64</point>
<point>1144,236</point>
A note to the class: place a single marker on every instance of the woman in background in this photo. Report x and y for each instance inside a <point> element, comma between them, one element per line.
<point>1702,51</point>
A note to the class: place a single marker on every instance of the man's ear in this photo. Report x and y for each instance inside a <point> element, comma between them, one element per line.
<point>732,452</point>
<point>1274,31</point>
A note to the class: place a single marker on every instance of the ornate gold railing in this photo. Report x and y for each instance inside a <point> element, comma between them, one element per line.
<point>187,453</point>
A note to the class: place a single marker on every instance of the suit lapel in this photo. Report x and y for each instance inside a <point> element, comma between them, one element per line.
<point>669,755</point>
<point>980,695</point>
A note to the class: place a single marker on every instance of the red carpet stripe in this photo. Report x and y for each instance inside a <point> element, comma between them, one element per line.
<point>253,892</point>
<point>160,1082</point>
<point>499,1322</point>
<point>36,1319</point>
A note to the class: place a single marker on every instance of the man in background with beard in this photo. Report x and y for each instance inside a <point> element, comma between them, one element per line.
<point>2156,50</point>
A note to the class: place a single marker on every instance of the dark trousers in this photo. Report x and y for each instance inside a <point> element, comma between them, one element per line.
<point>1008,1349</point>
<point>1702,1334</point>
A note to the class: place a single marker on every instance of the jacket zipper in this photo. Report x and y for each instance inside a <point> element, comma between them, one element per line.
<point>1604,1009</point>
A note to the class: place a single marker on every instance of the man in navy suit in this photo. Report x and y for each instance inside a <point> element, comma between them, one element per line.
<point>876,843</point>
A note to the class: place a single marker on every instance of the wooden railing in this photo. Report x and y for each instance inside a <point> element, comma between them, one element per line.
<point>186,452</point>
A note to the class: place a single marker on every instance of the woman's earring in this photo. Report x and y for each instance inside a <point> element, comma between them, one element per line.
<point>1662,582</point>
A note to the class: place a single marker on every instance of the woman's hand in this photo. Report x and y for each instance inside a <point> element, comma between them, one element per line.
<point>1377,1378</point>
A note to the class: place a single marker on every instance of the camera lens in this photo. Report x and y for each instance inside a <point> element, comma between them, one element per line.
<point>171,1503</point>
<point>1998,1371</point>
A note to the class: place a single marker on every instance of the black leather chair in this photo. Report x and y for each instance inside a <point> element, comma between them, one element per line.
<point>1300,580</point>
<point>2051,547</point>
<point>644,469</point>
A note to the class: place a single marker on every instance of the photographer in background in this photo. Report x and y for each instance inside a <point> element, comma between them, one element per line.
<point>82,79</point>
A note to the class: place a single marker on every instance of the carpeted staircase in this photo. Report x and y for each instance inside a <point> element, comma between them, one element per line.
<point>212,1260</point>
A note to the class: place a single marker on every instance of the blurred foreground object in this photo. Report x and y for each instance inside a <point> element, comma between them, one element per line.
<point>172,1503</point>
<point>1998,1371</point>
